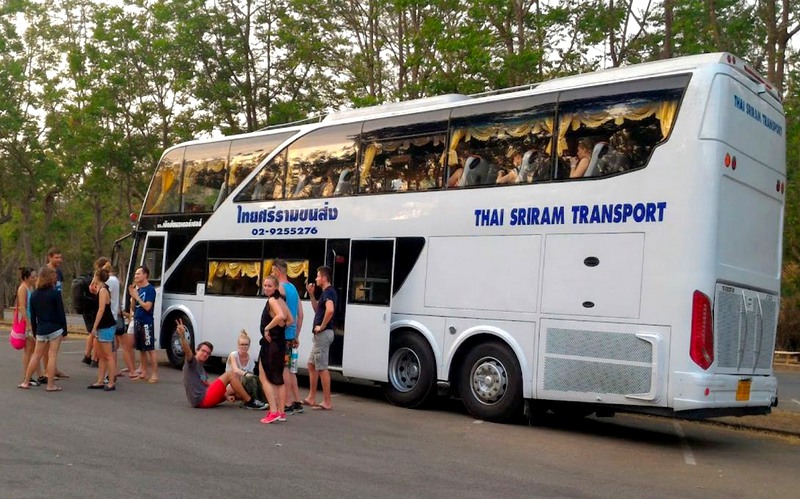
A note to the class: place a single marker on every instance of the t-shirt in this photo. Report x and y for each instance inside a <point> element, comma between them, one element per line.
<point>59,280</point>
<point>113,289</point>
<point>146,294</point>
<point>328,294</point>
<point>293,302</point>
<point>195,381</point>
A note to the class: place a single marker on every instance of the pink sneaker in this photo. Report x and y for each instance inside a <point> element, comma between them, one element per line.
<point>282,417</point>
<point>271,417</point>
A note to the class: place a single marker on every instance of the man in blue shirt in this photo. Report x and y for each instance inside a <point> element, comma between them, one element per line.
<point>144,296</point>
<point>322,339</point>
<point>280,270</point>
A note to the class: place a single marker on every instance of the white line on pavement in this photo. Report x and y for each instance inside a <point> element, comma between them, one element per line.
<point>688,457</point>
<point>796,401</point>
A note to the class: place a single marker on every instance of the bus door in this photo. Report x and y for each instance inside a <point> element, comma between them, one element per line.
<point>337,260</point>
<point>369,309</point>
<point>155,247</point>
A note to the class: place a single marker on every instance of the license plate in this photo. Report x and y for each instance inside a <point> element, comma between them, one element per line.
<point>743,390</point>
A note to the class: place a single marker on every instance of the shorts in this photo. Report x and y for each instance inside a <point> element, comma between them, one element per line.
<point>130,328</point>
<point>120,328</point>
<point>215,395</point>
<point>272,358</point>
<point>321,346</point>
<point>29,335</point>
<point>50,337</point>
<point>144,337</point>
<point>106,335</point>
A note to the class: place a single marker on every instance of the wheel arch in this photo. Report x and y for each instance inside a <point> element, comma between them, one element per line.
<point>168,315</point>
<point>416,327</point>
<point>484,334</point>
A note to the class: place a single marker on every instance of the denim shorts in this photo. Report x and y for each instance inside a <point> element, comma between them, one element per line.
<point>50,337</point>
<point>106,335</point>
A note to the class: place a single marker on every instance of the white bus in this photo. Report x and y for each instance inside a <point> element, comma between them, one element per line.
<point>471,257</point>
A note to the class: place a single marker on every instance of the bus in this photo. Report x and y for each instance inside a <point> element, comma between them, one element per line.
<point>604,242</point>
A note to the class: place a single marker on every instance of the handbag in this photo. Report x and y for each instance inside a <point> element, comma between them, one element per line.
<point>17,336</point>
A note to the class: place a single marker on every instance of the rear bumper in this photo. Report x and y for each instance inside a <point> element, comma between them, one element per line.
<point>689,393</point>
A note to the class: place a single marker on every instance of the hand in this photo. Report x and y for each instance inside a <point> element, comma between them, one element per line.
<point>267,336</point>
<point>316,329</point>
<point>310,288</point>
<point>181,328</point>
<point>94,332</point>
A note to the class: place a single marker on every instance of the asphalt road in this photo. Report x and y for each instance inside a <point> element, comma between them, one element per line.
<point>788,390</point>
<point>146,441</point>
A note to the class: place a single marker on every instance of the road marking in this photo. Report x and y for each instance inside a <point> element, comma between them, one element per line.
<point>796,401</point>
<point>688,457</point>
<point>69,352</point>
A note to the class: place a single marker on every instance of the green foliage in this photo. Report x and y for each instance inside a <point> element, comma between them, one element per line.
<point>94,91</point>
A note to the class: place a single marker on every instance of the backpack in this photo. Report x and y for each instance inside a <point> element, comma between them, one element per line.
<point>80,290</point>
<point>252,385</point>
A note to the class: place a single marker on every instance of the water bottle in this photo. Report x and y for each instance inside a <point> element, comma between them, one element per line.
<point>293,361</point>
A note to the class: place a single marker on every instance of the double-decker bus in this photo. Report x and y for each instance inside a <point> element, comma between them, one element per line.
<point>601,242</point>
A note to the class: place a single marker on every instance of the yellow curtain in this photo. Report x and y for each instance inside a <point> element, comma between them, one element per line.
<point>664,111</point>
<point>563,126</point>
<point>232,269</point>
<point>267,269</point>
<point>369,156</point>
<point>666,115</point>
<point>296,269</point>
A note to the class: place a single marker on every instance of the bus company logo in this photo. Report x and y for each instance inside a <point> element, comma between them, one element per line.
<point>274,215</point>
<point>179,224</point>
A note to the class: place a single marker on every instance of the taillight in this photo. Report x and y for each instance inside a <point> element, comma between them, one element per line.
<point>701,349</point>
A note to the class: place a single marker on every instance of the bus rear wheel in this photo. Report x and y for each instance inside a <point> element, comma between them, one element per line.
<point>490,384</point>
<point>412,371</point>
<point>173,343</point>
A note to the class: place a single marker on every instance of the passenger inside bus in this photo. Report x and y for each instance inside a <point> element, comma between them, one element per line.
<point>510,173</point>
<point>580,162</point>
<point>619,156</point>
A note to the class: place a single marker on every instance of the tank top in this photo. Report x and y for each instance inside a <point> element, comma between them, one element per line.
<point>107,320</point>
<point>28,302</point>
<point>249,367</point>
<point>277,332</point>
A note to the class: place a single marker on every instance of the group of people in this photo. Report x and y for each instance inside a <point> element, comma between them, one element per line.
<point>39,296</point>
<point>280,326</point>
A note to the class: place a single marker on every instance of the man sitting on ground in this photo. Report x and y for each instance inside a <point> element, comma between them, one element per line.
<point>202,393</point>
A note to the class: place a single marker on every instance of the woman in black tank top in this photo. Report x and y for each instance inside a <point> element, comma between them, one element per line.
<point>273,348</point>
<point>103,333</point>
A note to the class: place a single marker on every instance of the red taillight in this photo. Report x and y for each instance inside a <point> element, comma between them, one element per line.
<point>701,349</point>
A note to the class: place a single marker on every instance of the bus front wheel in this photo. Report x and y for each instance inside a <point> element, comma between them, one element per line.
<point>490,384</point>
<point>412,371</point>
<point>173,343</point>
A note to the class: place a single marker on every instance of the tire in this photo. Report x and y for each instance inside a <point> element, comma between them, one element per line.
<point>172,344</point>
<point>411,372</point>
<point>490,383</point>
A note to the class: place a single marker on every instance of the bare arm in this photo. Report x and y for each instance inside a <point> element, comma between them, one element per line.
<point>187,350</point>
<point>235,367</point>
<point>580,168</point>
<point>22,303</point>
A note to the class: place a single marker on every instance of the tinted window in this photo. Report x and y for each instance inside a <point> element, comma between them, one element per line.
<point>403,153</point>
<point>322,164</point>
<point>190,271</point>
<point>248,153</point>
<point>615,134</point>
<point>163,196</point>
<point>501,144</point>
<point>204,182</point>
<point>233,277</point>
<point>371,272</point>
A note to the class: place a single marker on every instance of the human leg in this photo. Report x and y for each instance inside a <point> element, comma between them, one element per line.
<point>325,381</point>
<point>313,377</point>
<point>27,354</point>
<point>52,356</point>
<point>234,386</point>
<point>127,353</point>
<point>33,364</point>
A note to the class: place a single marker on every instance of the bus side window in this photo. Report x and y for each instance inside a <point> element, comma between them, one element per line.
<point>321,161</point>
<point>619,131</point>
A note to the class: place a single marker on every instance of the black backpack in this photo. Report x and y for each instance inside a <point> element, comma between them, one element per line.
<point>80,290</point>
